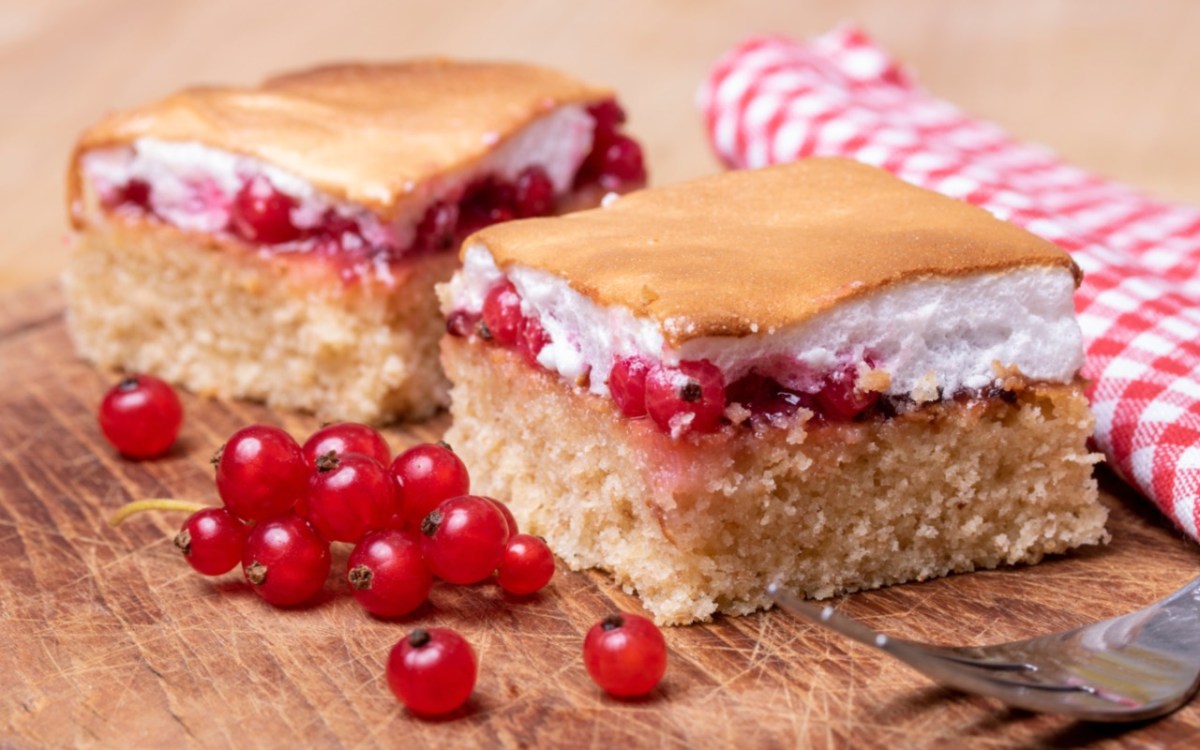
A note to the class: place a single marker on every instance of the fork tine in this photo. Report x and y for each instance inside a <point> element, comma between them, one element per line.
<point>989,678</point>
<point>828,617</point>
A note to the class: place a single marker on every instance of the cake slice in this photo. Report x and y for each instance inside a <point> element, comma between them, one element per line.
<point>814,373</point>
<point>282,242</point>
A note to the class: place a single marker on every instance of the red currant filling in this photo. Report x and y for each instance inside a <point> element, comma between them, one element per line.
<point>502,322</point>
<point>839,398</point>
<point>689,397</point>
<point>134,194</point>
<point>615,161</point>
<point>767,399</point>
<point>627,384</point>
<point>531,338</point>
<point>461,323</point>
<point>502,314</point>
<point>262,214</point>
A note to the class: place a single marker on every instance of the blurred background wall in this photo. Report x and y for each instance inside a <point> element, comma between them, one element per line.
<point>1111,84</point>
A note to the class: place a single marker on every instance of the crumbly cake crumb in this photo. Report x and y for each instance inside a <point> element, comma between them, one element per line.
<point>229,322</point>
<point>700,526</point>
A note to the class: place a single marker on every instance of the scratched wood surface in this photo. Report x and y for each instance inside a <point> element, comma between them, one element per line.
<point>109,639</point>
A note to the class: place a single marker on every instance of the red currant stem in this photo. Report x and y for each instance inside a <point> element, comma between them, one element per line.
<point>154,503</point>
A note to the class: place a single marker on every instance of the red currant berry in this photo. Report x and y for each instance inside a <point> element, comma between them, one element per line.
<point>485,202</point>
<point>133,194</point>
<point>527,565</point>
<point>690,398</point>
<point>608,117</point>
<point>346,437</point>
<point>261,473</point>
<point>387,574</point>
<point>141,416</point>
<point>531,338</point>
<point>625,654</point>
<point>332,233</point>
<point>212,541</point>
<point>285,560</point>
<point>461,323</point>
<point>765,397</point>
<point>627,384</point>
<point>502,313</point>
<point>428,474</point>
<point>463,539</point>
<point>349,495</point>
<point>534,193</point>
<point>432,671</point>
<point>621,164</point>
<point>435,231</point>
<point>840,399</point>
<point>260,213</point>
<point>508,516</point>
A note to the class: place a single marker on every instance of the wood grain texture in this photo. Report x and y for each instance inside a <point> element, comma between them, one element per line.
<point>112,641</point>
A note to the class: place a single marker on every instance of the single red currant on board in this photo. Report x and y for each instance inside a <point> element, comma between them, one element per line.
<point>285,560</point>
<point>508,516</point>
<point>428,474</point>
<point>260,472</point>
<point>212,541</point>
<point>432,671</point>
<point>387,574</point>
<point>349,495</point>
<point>347,437</point>
<point>140,416</point>
<point>625,654</point>
<point>463,539</point>
<point>527,565</point>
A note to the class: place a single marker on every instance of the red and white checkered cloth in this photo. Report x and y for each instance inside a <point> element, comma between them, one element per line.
<point>774,100</point>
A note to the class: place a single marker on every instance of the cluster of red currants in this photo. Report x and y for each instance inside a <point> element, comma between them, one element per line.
<point>409,518</point>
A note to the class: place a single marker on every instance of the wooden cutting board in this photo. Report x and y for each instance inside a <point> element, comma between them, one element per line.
<point>111,640</point>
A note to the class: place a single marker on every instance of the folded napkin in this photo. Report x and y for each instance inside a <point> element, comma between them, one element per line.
<point>774,100</point>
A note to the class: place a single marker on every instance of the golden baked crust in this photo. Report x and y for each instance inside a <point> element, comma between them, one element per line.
<point>751,251</point>
<point>366,133</point>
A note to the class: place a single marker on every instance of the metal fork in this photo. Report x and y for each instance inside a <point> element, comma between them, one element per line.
<point>1135,667</point>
